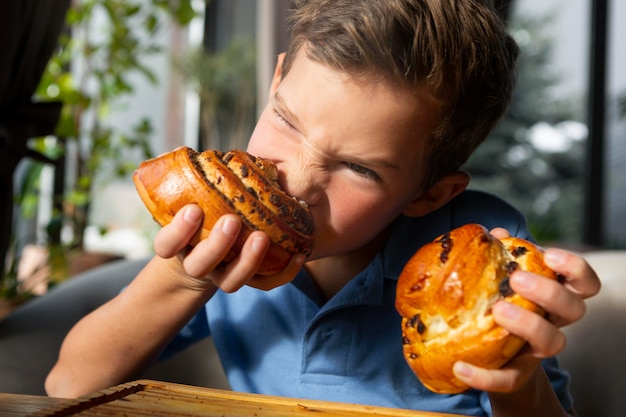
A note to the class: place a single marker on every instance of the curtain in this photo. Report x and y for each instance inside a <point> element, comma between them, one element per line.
<point>29,30</point>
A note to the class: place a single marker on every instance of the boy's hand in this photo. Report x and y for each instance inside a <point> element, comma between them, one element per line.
<point>203,263</point>
<point>564,304</point>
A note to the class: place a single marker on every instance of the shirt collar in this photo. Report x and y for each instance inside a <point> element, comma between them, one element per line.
<point>367,288</point>
<point>408,235</point>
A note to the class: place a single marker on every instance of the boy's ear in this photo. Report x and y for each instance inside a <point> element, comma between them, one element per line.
<point>438,195</point>
<point>278,73</point>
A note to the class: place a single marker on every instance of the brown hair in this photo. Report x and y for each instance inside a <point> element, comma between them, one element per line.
<point>458,48</point>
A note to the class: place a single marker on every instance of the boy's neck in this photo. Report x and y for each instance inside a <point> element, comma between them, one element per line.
<point>332,273</point>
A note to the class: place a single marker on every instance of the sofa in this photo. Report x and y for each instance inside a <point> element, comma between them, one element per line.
<point>594,354</point>
<point>31,336</point>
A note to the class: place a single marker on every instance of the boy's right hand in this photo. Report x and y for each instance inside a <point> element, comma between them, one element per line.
<point>203,264</point>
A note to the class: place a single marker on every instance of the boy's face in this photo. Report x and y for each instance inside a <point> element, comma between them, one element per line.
<point>351,147</point>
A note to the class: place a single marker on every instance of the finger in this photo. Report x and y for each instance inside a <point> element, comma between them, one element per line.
<point>238,272</point>
<point>578,275</point>
<point>563,305</point>
<point>500,232</point>
<point>176,235</point>
<point>506,379</point>
<point>545,340</point>
<point>283,277</point>
<point>210,252</point>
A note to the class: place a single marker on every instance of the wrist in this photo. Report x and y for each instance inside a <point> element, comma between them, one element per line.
<point>170,273</point>
<point>536,397</point>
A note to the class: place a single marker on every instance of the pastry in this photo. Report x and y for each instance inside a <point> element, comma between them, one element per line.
<point>228,182</point>
<point>445,294</point>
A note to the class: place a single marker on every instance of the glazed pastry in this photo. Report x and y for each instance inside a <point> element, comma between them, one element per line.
<point>445,294</point>
<point>228,182</point>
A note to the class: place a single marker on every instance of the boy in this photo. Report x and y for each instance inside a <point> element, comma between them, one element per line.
<point>372,110</point>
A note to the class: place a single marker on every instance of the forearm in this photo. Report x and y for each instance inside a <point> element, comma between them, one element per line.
<point>116,341</point>
<point>536,398</point>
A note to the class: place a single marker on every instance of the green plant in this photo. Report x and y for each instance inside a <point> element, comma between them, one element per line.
<point>544,184</point>
<point>106,43</point>
<point>226,84</point>
<point>100,54</point>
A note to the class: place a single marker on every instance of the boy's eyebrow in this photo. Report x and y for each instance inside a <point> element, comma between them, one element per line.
<point>279,102</point>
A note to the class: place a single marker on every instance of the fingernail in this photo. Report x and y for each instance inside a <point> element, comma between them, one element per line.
<point>192,215</point>
<point>554,256</point>
<point>299,259</point>
<point>463,369</point>
<point>230,227</point>
<point>507,310</point>
<point>259,245</point>
<point>524,280</point>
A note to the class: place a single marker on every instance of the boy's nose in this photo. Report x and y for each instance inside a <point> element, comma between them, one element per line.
<point>300,180</point>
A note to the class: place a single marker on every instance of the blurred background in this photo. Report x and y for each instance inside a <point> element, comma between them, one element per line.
<point>134,79</point>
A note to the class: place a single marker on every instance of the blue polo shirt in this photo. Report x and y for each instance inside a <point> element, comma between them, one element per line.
<point>288,342</point>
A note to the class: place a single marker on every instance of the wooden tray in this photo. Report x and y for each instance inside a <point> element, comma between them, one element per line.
<point>20,405</point>
<point>152,398</point>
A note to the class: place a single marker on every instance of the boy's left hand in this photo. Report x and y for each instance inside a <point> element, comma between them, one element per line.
<point>563,303</point>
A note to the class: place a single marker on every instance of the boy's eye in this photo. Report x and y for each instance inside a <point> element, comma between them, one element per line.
<point>362,171</point>
<point>282,119</point>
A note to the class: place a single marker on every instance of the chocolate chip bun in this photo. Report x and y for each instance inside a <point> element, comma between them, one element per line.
<point>445,294</point>
<point>228,182</point>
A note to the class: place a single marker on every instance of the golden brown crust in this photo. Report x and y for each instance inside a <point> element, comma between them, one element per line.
<point>231,182</point>
<point>445,294</point>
